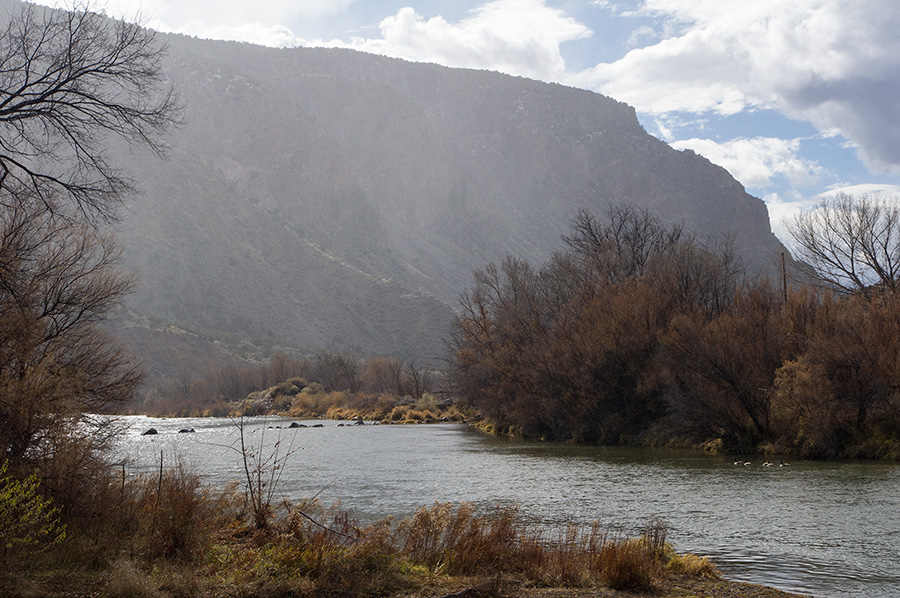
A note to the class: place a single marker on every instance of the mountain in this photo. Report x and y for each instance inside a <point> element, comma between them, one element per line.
<point>330,199</point>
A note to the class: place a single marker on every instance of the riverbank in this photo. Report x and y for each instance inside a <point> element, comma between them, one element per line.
<point>126,579</point>
<point>675,586</point>
<point>168,536</point>
<point>88,586</point>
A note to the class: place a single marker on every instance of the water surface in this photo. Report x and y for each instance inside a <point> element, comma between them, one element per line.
<point>826,529</point>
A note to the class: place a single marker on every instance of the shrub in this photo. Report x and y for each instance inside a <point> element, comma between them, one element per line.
<point>427,402</point>
<point>314,388</point>
<point>176,515</point>
<point>457,541</point>
<point>626,565</point>
<point>28,521</point>
<point>693,565</point>
<point>398,413</point>
<point>300,383</point>
<point>632,563</point>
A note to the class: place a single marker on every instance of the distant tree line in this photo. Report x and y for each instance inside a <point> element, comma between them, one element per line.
<point>642,333</point>
<point>217,390</point>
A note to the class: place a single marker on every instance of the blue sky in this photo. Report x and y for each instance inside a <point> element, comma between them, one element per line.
<point>795,99</point>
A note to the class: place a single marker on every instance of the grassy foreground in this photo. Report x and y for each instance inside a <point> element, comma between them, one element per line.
<point>167,536</point>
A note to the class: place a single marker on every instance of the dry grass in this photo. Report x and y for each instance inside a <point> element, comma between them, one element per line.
<point>457,541</point>
<point>692,565</point>
<point>126,580</point>
<point>176,516</point>
<point>169,536</point>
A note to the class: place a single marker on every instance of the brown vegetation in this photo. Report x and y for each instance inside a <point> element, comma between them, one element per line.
<point>166,535</point>
<point>72,83</point>
<point>340,387</point>
<point>641,334</point>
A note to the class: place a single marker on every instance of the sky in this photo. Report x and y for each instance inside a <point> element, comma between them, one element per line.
<point>795,99</point>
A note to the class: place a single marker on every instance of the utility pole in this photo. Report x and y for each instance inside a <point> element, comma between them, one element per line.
<point>783,277</point>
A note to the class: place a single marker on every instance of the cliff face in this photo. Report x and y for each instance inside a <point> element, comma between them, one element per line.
<point>334,199</point>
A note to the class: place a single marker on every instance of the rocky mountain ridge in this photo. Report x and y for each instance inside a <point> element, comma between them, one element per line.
<point>337,200</point>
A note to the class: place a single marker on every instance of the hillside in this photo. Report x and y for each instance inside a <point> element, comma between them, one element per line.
<point>329,199</point>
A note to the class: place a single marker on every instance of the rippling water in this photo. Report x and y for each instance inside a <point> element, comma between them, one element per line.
<point>827,529</point>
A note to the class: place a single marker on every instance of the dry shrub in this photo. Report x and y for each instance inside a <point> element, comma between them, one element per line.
<point>126,580</point>
<point>333,399</point>
<point>304,404</point>
<point>359,569</point>
<point>632,563</point>
<point>624,565</point>
<point>693,565</point>
<point>340,413</point>
<point>398,413</point>
<point>415,415</point>
<point>319,551</point>
<point>177,516</point>
<point>383,406</point>
<point>457,541</point>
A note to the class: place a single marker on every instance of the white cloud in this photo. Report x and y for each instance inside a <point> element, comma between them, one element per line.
<point>520,37</point>
<point>639,36</point>
<point>255,22</point>
<point>834,63</point>
<point>276,36</point>
<point>874,189</point>
<point>755,162</point>
<point>781,211</point>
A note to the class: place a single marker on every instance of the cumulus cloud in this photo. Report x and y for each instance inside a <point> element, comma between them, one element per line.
<point>520,37</point>
<point>755,162</point>
<point>834,63</point>
<point>783,210</point>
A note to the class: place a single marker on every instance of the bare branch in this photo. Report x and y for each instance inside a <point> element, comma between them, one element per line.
<point>69,82</point>
<point>851,243</point>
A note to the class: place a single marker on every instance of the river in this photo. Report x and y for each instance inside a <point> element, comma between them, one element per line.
<point>829,529</point>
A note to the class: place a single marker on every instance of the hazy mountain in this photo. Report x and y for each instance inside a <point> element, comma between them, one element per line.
<point>334,199</point>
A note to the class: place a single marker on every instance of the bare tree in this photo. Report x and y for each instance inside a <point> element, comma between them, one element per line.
<point>850,242</point>
<point>420,379</point>
<point>621,244</point>
<point>58,280</point>
<point>70,84</point>
<point>69,81</point>
<point>338,371</point>
<point>384,375</point>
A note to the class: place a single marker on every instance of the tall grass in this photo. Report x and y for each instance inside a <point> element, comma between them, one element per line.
<point>168,535</point>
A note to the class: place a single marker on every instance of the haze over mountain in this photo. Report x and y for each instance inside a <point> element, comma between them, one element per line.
<point>330,199</point>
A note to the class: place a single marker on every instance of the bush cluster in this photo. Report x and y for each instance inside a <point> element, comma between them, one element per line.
<point>639,334</point>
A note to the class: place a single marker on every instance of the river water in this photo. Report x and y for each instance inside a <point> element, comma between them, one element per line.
<point>825,529</point>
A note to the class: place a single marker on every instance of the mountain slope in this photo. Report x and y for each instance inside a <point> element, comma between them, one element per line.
<point>340,200</point>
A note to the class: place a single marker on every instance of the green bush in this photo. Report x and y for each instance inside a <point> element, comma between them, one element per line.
<point>427,402</point>
<point>28,521</point>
